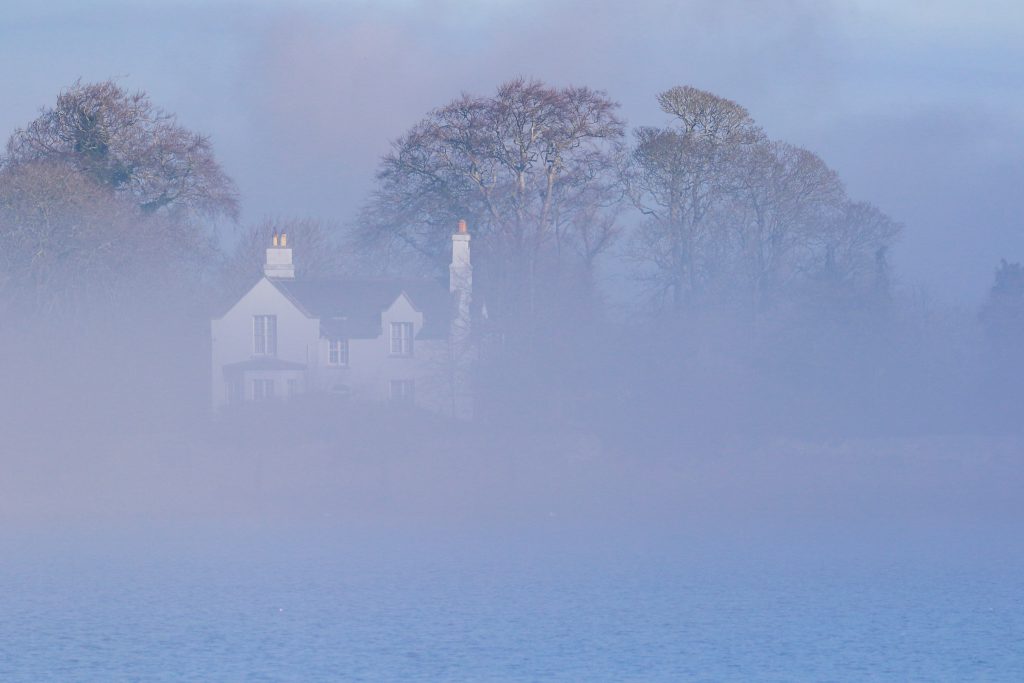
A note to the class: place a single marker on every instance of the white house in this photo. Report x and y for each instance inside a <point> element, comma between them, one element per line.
<point>378,340</point>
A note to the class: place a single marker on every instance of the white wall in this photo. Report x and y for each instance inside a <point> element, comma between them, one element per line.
<point>371,367</point>
<point>297,335</point>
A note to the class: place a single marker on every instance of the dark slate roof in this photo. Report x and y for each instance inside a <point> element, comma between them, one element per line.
<point>265,363</point>
<point>352,308</point>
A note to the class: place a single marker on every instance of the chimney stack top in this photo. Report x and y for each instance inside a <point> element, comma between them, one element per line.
<point>279,258</point>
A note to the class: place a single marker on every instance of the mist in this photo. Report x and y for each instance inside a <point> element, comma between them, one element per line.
<point>397,341</point>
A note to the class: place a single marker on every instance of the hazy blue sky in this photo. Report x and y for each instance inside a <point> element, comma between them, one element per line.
<point>917,104</point>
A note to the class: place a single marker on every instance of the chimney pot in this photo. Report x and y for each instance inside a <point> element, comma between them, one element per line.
<point>279,259</point>
<point>462,226</point>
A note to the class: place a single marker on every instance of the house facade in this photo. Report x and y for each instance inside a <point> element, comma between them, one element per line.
<point>404,341</point>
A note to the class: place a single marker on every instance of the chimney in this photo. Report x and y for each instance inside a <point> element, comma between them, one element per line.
<point>460,279</point>
<point>460,285</point>
<point>460,273</point>
<point>279,259</point>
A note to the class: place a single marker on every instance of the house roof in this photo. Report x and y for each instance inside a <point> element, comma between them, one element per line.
<point>352,308</point>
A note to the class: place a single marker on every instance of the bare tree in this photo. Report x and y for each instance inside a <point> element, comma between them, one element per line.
<point>788,195</point>
<point>852,248</point>
<point>123,142</point>
<point>102,188</point>
<point>730,213</point>
<point>67,239</point>
<point>680,174</point>
<point>532,169</point>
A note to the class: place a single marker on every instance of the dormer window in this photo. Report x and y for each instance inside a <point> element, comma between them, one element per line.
<point>401,339</point>
<point>264,335</point>
<point>337,352</point>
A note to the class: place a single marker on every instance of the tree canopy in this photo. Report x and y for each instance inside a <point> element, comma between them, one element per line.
<point>100,187</point>
<point>123,142</point>
<point>532,168</point>
<point>730,213</point>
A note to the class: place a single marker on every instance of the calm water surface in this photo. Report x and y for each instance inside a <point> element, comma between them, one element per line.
<point>324,604</point>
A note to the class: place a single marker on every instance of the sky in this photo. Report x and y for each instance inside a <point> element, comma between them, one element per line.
<point>917,104</point>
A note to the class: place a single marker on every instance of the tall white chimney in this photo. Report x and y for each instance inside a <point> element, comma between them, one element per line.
<point>460,285</point>
<point>279,259</point>
<point>460,272</point>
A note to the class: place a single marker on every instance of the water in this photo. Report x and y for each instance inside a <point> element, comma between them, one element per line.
<point>256,602</point>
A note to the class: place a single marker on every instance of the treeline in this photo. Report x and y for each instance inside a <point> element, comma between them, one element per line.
<point>694,274</point>
<point>706,208</point>
<point>749,292</point>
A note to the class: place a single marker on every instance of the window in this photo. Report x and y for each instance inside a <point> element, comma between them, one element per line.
<point>337,353</point>
<point>403,391</point>
<point>401,339</point>
<point>234,391</point>
<point>293,387</point>
<point>262,389</point>
<point>264,335</point>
